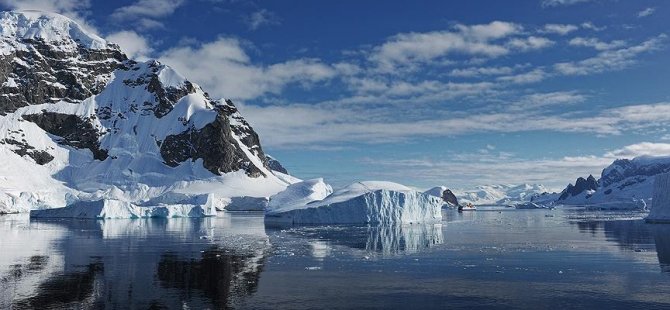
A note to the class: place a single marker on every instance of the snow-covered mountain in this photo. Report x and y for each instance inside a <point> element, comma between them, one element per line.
<point>79,120</point>
<point>624,183</point>
<point>499,194</point>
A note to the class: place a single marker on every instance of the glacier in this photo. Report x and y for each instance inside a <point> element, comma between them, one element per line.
<point>375,202</point>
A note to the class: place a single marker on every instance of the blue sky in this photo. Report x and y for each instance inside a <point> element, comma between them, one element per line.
<point>423,93</point>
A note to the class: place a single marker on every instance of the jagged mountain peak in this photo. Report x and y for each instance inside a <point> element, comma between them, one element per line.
<point>49,28</point>
<point>82,119</point>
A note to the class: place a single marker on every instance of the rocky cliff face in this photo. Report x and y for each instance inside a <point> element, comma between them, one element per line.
<point>75,105</point>
<point>45,58</point>
<point>581,185</point>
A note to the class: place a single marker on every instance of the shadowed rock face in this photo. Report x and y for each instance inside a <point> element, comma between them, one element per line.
<point>580,186</point>
<point>449,197</point>
<point>214,144</point>
<point>73,130</point>
<point>21,148</point>
<point>44,74</point>
<point>275,165</point>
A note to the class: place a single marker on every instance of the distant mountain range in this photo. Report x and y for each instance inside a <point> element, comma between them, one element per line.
<point>626,183</point>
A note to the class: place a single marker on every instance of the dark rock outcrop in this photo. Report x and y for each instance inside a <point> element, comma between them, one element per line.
<point>73,131</point>
<point>45,74</point>
<point>449,197</point>
<point>22,149</point>
<point>214,144</point>
<point>275,165</point>
<point>581,185</point>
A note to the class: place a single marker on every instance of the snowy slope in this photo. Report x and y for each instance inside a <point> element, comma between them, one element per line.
<point>626,183</point>
<point>499,194</point>
<point>81,122</point>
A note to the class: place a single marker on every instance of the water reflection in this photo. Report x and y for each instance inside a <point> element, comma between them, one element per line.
<point>218,276</point>
<point>384,240</point>
<point>152,263</point>
<point>634,236</point>
<point>661,233</point>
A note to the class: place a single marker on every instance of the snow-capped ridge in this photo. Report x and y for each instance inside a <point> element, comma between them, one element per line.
<point>626,183</point>
<point>80,120</point>
<point>49,28</point>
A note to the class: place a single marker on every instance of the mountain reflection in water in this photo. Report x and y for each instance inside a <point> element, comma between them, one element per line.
<point>137,264</point>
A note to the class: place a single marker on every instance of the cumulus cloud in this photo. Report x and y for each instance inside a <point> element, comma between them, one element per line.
<point>646,12</point>
<point>555,3</point>
<point>641,149</point>
<point>596,43</point>
<point>530,43</point>
<point>408,49</point>
<point>144,14</point>
<point>610,60</point>
<point>533,76</point>
<point>261,18</point>
<point>224,68</point>
<point>132,44</point>
<point>482,71</point>
<point>560,29</point>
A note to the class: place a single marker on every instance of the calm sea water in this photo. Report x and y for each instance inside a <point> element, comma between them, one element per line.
<point>484,259</point>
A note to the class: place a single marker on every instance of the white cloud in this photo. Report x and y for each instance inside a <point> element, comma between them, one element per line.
<point>529,43</point>
<point>334,122</point>
<point>591,26</point>
<point>596,43</point>
<point>641,149</point>
<point>261,18</point>
<point>481,71</point>
<point>609,60</point>
<point>542,100</point>
<point>224,69</point>
<point>410,49</point>
<point>560,29</point>
<point>646,12</point>
<point>132,44</point>
<point>533,76</point>
<point>554,3</point>
<point>144,13</point>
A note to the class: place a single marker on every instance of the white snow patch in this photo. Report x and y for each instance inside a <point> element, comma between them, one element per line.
<point>299,194</point>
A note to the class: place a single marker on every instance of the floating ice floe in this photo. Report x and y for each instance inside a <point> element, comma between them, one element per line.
<point>116,209</point>
<point>362,202</point>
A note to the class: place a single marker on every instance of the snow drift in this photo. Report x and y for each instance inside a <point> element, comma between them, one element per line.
<point>363,202</point>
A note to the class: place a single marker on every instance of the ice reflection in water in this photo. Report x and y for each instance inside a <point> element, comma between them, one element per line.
<point>384,240</point>
<point>661,233</point>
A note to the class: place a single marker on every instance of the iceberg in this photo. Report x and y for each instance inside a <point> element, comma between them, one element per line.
<point>362,202</point>
<point>117,209</point>
<point>660,208</point>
